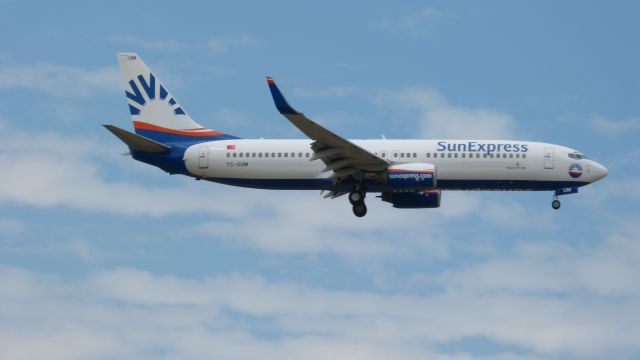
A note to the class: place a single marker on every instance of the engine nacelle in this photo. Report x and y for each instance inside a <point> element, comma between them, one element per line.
<point>412,176</point>
<point>413,200</point>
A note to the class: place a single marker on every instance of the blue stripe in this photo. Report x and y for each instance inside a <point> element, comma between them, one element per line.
<point>326,184</point>
<point>169,138</point>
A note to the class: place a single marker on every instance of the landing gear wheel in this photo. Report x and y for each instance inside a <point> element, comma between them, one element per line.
<point>360,209</point>
<point>356,197</point>
<point>555,204</point>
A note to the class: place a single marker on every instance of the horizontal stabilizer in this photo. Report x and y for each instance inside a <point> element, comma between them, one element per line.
<point>136,141</point>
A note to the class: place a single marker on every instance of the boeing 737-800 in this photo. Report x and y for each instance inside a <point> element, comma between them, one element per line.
<point>406,173</point>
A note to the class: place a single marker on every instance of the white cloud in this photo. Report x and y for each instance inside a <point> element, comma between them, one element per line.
<point>223,45</point>
<point>304,223</point>
<point>147,315</point>
<point>606,269</point>
<point>327,92</point>
<point>69,174</point>
<point>59,80</point>
<point>147,44</point>
<point>615,128</point>
<point>438,118</point>
<point>216,45</point>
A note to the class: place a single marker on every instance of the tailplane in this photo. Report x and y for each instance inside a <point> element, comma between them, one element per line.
<point>156,114</point>
<point>137,142</point>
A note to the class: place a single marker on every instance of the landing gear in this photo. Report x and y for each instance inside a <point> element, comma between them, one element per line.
<point>555,204</point>
<point>356,198</point>
<point>360,209</point>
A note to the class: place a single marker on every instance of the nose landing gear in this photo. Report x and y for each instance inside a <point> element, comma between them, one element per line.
<point>555,204</point>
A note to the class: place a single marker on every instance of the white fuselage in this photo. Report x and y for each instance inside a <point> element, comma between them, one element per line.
<point>460,163</point>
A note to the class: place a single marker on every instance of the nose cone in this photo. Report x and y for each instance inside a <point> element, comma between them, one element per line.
<point>598,171</point>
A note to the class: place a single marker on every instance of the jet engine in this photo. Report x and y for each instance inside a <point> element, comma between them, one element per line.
<point>413,200</point>
<point>411,176</point>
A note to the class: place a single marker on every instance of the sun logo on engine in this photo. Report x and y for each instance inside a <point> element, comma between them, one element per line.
<point>138,102</point>
<point>575,170</point>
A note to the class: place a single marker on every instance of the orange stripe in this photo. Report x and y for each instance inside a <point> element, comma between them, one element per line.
<point>188,132</point>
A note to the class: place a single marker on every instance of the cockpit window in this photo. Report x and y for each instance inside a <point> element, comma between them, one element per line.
<point>577,156</point>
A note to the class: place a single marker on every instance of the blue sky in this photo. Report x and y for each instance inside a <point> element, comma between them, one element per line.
<point>104,257</point>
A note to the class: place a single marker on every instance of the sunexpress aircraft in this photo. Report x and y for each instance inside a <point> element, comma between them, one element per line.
<point>406,173</point>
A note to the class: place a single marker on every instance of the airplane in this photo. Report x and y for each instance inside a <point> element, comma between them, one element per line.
<point>408,174</point>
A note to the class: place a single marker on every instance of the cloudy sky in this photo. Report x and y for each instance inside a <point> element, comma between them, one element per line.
<point>102,257</point>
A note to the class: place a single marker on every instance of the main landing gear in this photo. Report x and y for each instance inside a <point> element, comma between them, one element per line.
<point>356,198</point>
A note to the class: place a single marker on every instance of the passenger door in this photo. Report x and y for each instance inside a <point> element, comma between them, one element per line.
<point>548,158</point>
<point>203,157</point>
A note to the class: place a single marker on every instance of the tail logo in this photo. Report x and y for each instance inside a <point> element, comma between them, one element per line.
<point>137,100</point>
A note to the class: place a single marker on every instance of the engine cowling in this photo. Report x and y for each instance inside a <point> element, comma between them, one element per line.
<point>412,176</point>
<point>413,200</point>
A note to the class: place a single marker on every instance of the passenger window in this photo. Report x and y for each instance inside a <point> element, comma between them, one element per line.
<point>253,155</point>
<point>428,155</point>
<point>518,156</point>
<point>293,154</point>
<point>441,155</point>
<point>463,154</point>
<point>300,155</point>
<point>286,154</point>
<point>415,155</point>
<point>234,154</point>
<point>510,156</point>
<point>485,155</point>
<point>524,156</point>
<point>401,155</point>
<point>384,155</point>
<point>279,154</point>
<point>259,155</point>
<point>240,155</point>
<point>307,155</point>
<point>455,155</point>
<point>228,155</point>
<point>395,155</point>
<point>266,155</point>
<point>448,155</point>
<point>477,155</point>
<point>273,155</point>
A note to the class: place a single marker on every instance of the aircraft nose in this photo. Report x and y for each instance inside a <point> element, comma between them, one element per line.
<point>599,171</point>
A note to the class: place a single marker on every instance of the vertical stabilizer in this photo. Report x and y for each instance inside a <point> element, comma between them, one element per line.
<point>156,114</point>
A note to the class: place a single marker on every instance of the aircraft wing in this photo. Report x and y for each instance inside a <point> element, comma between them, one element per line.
<point>340,155</point>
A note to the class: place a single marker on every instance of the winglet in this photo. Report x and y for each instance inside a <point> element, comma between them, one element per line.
<point>281,103</point>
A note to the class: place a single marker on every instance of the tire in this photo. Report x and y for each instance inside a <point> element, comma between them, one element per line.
<point>555,204</point>
<point>360,210</point>
<point>356,197</point>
